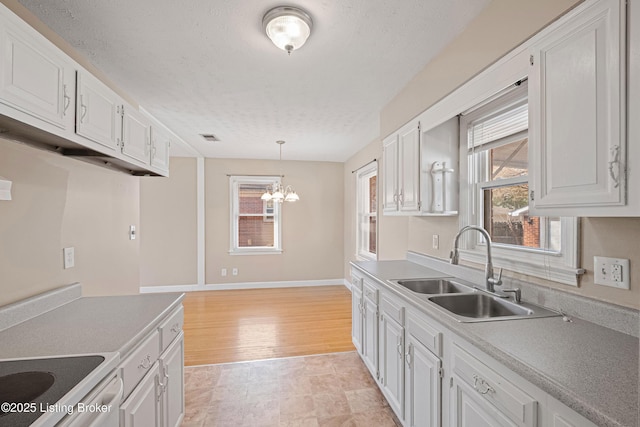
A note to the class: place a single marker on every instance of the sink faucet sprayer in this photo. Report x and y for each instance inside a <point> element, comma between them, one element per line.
<point>490,281</point>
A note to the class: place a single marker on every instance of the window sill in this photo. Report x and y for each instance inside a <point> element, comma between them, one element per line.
<point>255,252</point>
<point>544,266</point>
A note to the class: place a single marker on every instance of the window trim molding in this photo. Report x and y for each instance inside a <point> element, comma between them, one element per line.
<point>364,171</point>
<point>557,267</point>
<point>234,249</point>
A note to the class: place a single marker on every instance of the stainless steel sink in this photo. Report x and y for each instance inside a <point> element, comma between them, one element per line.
<point>481,307</point>
<point>433,286</point>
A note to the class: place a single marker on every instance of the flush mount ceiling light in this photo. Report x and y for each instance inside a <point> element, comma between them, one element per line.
<point>287,27</point>
<point>278,193</point>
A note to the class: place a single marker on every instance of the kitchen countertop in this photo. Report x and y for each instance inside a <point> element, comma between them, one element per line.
<point>69,325</point>
<point>591,369</point>
<point>88,325</point>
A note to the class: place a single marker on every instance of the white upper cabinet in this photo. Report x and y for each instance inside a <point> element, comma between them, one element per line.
<point>48,99</point>
<point>160,145</point>
<point>390,174</point>
<point>36,78</point>
<point>577,109</point>
<point>401,171</point>
<point>98,116</point>
<point>136,143</point>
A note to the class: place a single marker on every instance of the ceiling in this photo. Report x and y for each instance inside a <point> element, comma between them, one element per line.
<point>206,66</point>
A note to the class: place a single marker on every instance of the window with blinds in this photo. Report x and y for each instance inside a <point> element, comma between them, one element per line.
<point>497,143</point>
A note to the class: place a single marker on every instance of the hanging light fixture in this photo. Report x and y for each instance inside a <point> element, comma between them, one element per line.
<point>278,193</point>
<point>287,27</point>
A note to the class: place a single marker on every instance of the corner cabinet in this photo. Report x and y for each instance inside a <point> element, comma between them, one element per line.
<point>580,159</point>
<point>419,169</point>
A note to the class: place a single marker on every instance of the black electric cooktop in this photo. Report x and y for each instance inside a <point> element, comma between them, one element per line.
<point>29,388</point>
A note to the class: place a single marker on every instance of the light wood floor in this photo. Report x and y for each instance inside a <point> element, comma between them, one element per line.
<point>254,324</point>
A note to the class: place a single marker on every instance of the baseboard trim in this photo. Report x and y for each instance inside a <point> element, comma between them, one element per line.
<point>245,285</point>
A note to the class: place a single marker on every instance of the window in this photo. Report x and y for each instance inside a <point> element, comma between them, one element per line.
<point>495,194</point>
<point>367,200</point>
<point>255,223</point>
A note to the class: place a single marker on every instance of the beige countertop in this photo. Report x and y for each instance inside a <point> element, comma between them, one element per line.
<point>590,368</point>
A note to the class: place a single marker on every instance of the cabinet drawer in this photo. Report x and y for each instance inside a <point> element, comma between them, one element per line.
<point>493,387</point>
<point>356,280</point>
<point>392,309</point>
<point>370,292</point>
<point>171,328</point>
<point>425,334</point>
<point>138,363</point>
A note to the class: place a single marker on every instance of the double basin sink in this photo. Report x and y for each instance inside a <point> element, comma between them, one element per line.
<point>467,303</point>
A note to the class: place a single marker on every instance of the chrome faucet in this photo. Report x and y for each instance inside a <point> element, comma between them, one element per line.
<point>490,281</point>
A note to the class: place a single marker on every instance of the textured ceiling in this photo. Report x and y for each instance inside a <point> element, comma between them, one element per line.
<point>206,66</point>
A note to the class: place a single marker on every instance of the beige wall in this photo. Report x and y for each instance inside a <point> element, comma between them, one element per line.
<point>168,226</point>
<point>312,229</point>
<point>499,28</point>
<point>60,202</point>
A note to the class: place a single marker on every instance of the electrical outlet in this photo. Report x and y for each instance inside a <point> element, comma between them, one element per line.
<point>69,257</point>
<point>234,271</point>
<point>612,272</point>
<point>223,272</point>
<point>436,241</point>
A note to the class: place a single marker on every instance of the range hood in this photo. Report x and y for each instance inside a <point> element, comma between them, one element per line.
<point>5,189</point>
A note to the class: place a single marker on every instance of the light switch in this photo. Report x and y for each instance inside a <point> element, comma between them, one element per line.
<point>132,232</point>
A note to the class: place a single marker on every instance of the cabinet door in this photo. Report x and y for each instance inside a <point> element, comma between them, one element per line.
<point>356,318</point>
<point>172,370</point>
<point>98,117</point>
<point>467,410</point>
<point>36,78</point>
<point>390,174</point>
<point>135,136</point>
<point>160,144</point>
<point>142,407</point>
<point>409,168</point>
<point>370,336</point>
<point>577,144</point>
<point>391,363</point>
<point>423,385</point>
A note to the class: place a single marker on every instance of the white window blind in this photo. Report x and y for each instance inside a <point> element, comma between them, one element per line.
<point>499,126</point>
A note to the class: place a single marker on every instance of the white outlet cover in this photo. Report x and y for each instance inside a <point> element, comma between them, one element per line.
<point>69,257</point>
<point>612,272</point>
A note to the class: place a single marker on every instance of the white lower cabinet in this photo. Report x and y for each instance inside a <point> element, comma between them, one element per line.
<point>423,385</point>
<point>470,410</point>
<point>142,408</point>
<point>172,384</point>
<point>357,313</point>
<point>155,383</point>
<point>369,351</point>
<point>391,354</point>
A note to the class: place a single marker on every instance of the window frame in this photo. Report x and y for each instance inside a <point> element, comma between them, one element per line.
<point>363,175</point>
<point>559,266</point>
<point>234,203</point>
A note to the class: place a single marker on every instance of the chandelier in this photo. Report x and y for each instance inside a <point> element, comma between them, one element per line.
<point>279,193</point>
<point>287,27</point>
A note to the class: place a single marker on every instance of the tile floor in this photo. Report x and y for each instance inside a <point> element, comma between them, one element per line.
<point>324,390</point>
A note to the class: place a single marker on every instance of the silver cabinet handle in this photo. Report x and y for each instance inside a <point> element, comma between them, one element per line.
<point>399,347</point>
<point>67,100</point>
<point>160,389</point>
<point>175,328</point>
<point>83,109</point>
<point>481,386</point>
<point>615,160</point>
<point>408,356</point>
<point>145,363</point>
